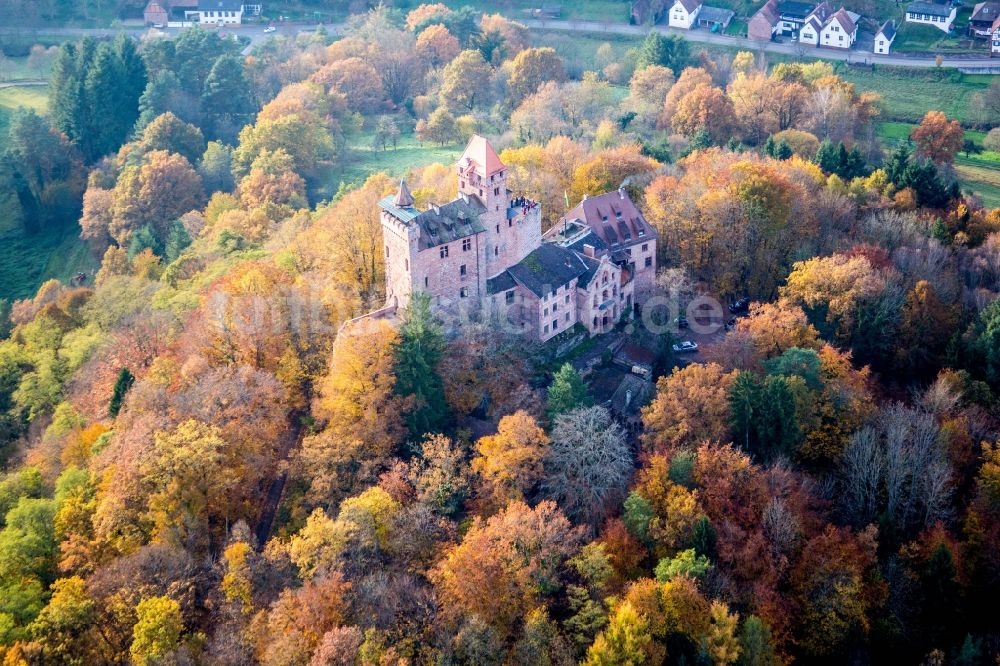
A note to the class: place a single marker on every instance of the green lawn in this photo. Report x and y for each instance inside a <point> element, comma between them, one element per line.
<point>33,97</point>
<point>917,37</point>
<point>908,95</point>
<point>616,11</point>
<point>17,68</point>
<point>982,176</point>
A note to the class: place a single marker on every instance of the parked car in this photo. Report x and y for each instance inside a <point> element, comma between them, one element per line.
<point>731,324</point>
<point>682,322</point>
<point>158,26</point>
<point>742,306</point>
<point>269,28</point>
<point>685,347</point>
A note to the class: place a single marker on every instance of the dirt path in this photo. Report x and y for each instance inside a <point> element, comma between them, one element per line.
<point>289,442</point>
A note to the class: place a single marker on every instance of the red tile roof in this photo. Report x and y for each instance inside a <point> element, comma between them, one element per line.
<point>481,154</point>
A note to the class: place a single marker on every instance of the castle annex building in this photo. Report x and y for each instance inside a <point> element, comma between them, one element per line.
<point>486,249</point>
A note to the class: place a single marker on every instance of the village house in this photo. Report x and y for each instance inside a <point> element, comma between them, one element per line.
<point>221,12</point>
<point>683,14</point>
<point>823,28</point>
<point>763,25</point>
<point>484,251</point>
<point>941,16</point>
<point>156,13</point>
<point>995,38</point>
<point>981,21</point>
<point>792,16</point>
<point>884,37</point>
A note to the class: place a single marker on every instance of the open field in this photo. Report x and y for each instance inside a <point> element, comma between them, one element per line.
<point>981,176</point>
<point>584,10</point>
<point>908,95</point>
<point>33,97</point>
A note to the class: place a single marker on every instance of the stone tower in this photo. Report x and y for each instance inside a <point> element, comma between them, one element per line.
<point>513,226</point>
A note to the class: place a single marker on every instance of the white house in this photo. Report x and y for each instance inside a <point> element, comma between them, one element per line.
<point>839,31</point>
<point>884,37</point>
<point>683,13</point>
<point>941,16</point>
<point>813,23</point>
<point>217,12</point>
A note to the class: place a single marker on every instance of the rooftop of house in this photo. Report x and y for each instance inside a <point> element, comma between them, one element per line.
<point>439,225</point>
<point>220,5</point>
<point>480,156</point>
<point>846,22</point>
<point>547,268</point>
<point>930,8</point>
<point>632,394</point>
<point>715,14</point>
<point>888,30</point>
<point>795,9</point>
<point>769,12</point>
<point>612,217</point>
<point>689,5</point>
<point>985,12</point>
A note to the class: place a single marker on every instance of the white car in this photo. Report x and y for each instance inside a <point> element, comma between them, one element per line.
<point>686,346</point>
<point>269,28</point>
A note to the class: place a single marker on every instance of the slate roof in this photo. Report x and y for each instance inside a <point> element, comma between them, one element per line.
<point>547,268</point>
<point>440,224</point>
<point>502,282</point>
<point>888,30</point>
<point>715,14</point>
<point>613,218</point>
<point>985,12</point>
<point>930,8</point>
<point>794,9</point>
<point>220,5</point>
<point>592,266</point>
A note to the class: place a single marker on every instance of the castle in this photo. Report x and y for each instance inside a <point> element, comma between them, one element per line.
<point>485,250</point>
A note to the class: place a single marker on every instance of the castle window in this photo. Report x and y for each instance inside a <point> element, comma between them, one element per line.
<point>461,270</point>
<point>555,324</point>
<point>567,316</point>
<point>510,223</point>
<point>555,306</point>
<point>595,322</point>
<point>406,265</point>
<point>464,292</point>
<point>649,262</point>
<point>546,313</point>
<point>567,299</point>
<point>427,281</point>
<point>498,228</point>
<point>386,251</point>
<point>444,251</point>
<point>546,329</point>
<point>510,296</point>
<point>466,244</point>
<point>496,251</point>
<point>645,247</point>
<point>496,191</point>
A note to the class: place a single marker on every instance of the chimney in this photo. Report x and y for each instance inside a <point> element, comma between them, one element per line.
<point>588,250</point>
<point>621,192</point>
<point>435,208</point>
<point>584,197</point>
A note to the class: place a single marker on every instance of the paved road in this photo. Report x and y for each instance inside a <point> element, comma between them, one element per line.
<point>257,35</point>
<point>706,37</point>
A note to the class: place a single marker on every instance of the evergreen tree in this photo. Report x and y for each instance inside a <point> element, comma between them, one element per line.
<point>701,140</point>
<point>666,50</point>
<point>776,425</point>
<point>122,386</point>
<point>756,645</point>
<point>769,147</point>
<point>896,165</point>
<point>704,538</point>
<point>226,97</point>
<point>104,100</point>
<point>132,80</point>
<point>923,177</point>
<point>827,157</point>
<point>744,397</point>
<point>417,354</point>
<point>783,151</point>
<point>567,391</point>
<point>65,90</point>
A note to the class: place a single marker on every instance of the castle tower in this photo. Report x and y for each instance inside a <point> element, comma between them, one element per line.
<point>401,238</point>
<point>512,231</point>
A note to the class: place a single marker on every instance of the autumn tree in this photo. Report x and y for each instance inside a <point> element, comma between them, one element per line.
<point>691,406</point>
<point>466,81</point>
<point>437,46</point>
<point>511,460</point>
<point>154,195</point>
<point>478,577</point>
<point>588,463</point>
<point>705,108</point>
<point>531,68</point>
<point>157,630</point>
<point>938,139</point>
<point>169,133</point>
<point>363,413</point>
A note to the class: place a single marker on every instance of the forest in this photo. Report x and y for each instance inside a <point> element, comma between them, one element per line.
<point>203,461</point>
